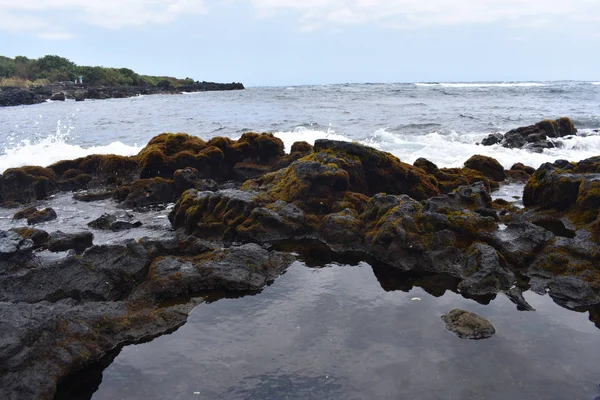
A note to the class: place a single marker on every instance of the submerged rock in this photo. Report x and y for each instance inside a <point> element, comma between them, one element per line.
<point>468,325</point>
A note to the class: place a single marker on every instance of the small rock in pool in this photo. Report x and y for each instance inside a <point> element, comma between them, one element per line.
<point>468,325</point>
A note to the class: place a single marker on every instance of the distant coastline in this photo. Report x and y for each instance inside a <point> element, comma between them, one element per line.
<point>25,81</point>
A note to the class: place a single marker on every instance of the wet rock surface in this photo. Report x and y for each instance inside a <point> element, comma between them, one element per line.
<point>468,325</point>
<point>536,137</point>
<point>242,210</point>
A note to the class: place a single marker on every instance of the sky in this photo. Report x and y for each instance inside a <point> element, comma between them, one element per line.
<point>299,42</point>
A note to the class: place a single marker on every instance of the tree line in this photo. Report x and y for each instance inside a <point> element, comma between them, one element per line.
<point>23,71</point>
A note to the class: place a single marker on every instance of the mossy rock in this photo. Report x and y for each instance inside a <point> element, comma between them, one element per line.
<point>560,261</point>
<point>518,175</point>
<point>45,215</point>
<point>314,183</point>
<point>549,189</point>
<point>488,166</point>
<point>371,171</point>
<point>212,215</point>
<point>263,148</point>
<point>26,184</point>
<point>450,179</point>
<point>301,147</point>
<point>426,166</point>
<point>522,167</point>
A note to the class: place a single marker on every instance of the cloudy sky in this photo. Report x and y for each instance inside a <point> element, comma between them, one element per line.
<point>291,42</point>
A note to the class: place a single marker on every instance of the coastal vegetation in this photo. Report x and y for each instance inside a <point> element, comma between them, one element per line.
<point>28,72</point>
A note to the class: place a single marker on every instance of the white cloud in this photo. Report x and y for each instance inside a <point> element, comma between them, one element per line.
<point>418,13</point>
<point>33,16</point>
<point>112,14</point>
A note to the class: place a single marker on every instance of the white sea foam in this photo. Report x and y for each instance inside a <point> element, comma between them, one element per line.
<point>307,135</point>
<point>53,149</point>
<point>452,150</point>
<point>476,85</point>
<point>595,83</point>
<point>445,150</point>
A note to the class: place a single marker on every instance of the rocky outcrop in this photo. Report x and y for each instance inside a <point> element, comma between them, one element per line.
<point>13,96</point>
<point>61,314</point>
<point>241,208</point>
<point>536,137</point>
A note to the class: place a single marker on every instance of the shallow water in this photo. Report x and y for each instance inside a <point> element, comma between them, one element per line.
<point>335,333</point>
<point>73,216</point>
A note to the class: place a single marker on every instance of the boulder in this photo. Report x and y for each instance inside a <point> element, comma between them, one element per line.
<point>59,241</point>
<point>12,243</point>
<point>489,167</point>
<point>535,137</point>
<point>60,96</point>
<point>468,325</point>
<point>492,139</point>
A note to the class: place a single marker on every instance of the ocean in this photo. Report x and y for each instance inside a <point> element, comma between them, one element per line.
<point>334,329</point>
<point>442,122</point>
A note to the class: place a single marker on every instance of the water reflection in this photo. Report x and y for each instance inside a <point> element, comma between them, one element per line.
<point>332,333</point>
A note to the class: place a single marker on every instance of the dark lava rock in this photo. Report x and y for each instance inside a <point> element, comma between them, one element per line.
<point>80,96</point>
<point>60,241</point>
<point>60,96</point>
<point>109,222</point>
<point>520,242</point>
<point>41,343</point>
<point>12,243</point>
<point>491,139</point>
<point>119,226</point>
<point>18,96</point>
<point>146,192</point>
<point>38,236</point>
<point>534,137</point>
<point>245,268</point>
<point>468,325</point>
<point>189,178</point>
<point>103,222</point>
<point>101,273</point>
<point>486,272</point>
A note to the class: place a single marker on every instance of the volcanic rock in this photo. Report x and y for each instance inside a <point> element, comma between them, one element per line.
<point>468,325</point>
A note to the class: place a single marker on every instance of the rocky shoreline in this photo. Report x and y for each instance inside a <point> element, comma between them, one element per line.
<point>242,211</point>
<point>13,96</point>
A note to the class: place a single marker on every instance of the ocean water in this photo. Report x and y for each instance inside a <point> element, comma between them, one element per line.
<point>334,328</point>
<point>442,122</point>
